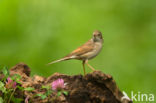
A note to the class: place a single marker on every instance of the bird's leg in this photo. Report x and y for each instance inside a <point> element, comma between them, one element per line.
<point>89,65</point>
<point>83,63</point>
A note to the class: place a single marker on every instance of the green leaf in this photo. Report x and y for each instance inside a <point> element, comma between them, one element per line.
<point>16,100</point>
<point>29,89</point>
<point>1,100</point>
<point>18,82</point>
<point>2,88</point>
<point>65,92</point>
<point>19,87</point>
<point>43,96</point>
<point>1,84</point>
<point>48,92</point>
<point>46,87</point>
<point>39,95</point>
<point>5,71</point>
<point>59,93</point>
<point>16,77</point>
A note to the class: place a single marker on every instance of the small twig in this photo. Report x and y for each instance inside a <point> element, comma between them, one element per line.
<point>11,95</point>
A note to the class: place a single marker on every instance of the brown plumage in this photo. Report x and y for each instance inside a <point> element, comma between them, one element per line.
<point>87,51</point>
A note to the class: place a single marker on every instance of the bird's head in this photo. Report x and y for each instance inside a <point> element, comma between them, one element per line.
<point>97,36</point>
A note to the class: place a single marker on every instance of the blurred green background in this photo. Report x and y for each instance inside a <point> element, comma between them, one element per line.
<point>37,32</point>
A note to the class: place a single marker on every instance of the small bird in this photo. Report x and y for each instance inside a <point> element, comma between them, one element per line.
<point>87,51</point>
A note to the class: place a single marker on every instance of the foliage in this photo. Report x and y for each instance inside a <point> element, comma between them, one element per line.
<point>9,85</point>
<point>47,93</point>
<point>29,89</point>
<point>8,89</point>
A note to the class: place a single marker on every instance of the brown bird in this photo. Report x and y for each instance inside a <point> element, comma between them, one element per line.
<point>87,51</point>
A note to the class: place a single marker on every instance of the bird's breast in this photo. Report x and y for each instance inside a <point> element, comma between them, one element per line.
<point>94,52</point>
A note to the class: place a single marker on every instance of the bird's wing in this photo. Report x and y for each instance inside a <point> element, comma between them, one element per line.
<point>85,48</point>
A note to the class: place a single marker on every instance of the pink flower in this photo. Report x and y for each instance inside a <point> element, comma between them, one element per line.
<point>14,84</point>
<point>10,83</point>
<point>58,84</point>
<point>9,80</point>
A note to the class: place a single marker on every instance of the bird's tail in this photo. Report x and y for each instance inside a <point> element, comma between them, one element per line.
<point>62,59</point>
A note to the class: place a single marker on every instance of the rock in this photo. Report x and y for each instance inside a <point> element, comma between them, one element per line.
<point>95,87</point>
